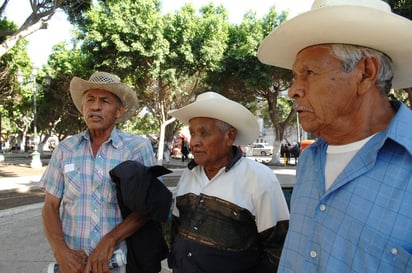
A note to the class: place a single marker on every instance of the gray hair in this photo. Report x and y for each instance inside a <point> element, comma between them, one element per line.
<point>223,126</point>
<point>350,55</point>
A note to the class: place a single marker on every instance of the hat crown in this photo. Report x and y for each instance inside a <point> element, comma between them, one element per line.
<point>103,78</point>
<point>380,5</point>
<point>210,96</point>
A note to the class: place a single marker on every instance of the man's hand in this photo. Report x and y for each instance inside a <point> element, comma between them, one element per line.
<point>71,261</point>
<point>98,261</point>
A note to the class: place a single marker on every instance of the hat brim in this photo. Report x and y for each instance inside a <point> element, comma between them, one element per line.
<point>128,97</point>
<point>373,28</point>
<point>225,110</point>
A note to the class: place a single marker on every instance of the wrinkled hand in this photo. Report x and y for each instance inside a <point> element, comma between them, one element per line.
<point>71,261</point>
<point>98,261</point>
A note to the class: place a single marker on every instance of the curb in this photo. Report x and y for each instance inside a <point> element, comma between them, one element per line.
<point>16,210</point>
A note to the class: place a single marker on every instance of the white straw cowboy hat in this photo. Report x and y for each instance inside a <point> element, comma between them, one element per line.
<point>108,82</point>
<point>368,23</point>
<point>214,105</point>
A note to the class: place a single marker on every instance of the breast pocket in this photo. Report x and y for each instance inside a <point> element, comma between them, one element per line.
<point>382,255</point>
<point>72,186</point>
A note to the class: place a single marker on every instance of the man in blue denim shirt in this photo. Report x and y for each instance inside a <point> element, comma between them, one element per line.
<point>352,202</point>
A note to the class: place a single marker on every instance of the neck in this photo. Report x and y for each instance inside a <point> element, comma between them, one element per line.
<point>372,115</point>
<point>212,169</point>
<point>98,137</point>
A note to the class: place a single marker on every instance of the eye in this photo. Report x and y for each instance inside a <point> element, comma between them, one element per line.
<point>304,74</point>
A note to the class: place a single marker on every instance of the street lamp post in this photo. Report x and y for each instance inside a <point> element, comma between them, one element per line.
<point>35,161</point>
<point>1,143</point>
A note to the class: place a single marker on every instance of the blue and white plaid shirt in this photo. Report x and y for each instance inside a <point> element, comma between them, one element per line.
<point>89,207</point>
<point>363,222</point>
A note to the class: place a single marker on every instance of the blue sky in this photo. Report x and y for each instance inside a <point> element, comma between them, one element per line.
<point>41,42</point>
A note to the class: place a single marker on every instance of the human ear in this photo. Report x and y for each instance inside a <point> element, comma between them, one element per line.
<point>369,69</point>
<point>120,111</point>
<point>231,135</point>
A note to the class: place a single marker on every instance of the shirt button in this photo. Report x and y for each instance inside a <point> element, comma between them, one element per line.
<point>195,228</point>
<point>394,251</point>
<point>313,254</point>
<point>322,207</point>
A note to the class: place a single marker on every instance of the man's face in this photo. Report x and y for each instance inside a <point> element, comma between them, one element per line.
<point>100,109</point>
<point>325,95</point>
<point>210,146</point>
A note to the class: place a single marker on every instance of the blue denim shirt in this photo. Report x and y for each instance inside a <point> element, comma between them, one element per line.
<point>363,222</point>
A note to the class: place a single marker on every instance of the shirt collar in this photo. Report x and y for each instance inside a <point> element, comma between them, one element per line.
<point>114,138</point>
<point>399,129</point>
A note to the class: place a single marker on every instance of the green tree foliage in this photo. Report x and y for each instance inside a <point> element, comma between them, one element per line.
<point>57,113</point>
<point>16,102</point>
<point>164,58</point>
<point>401,7</point>
<point>243,78</point>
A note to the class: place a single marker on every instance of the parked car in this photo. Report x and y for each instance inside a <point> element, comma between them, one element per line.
<point>261,149</point>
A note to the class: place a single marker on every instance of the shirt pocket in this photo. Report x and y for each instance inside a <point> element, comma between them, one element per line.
<point>72,186</point>
<point>382,255</point>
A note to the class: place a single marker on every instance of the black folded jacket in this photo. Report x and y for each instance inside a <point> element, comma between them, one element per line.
<point>138,189</point>
<point>141,191</point>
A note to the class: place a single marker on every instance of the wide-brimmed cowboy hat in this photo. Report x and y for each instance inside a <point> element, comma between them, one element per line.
<point>108,82</point>
<point>368,23</point>
<point>214,105</point>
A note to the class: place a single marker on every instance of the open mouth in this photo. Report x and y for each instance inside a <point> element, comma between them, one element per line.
<point>94,116</point>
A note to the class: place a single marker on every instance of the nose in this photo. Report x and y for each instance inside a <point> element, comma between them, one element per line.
<point>95,105</point>
<point>195,140</point>
<point>296,90</point>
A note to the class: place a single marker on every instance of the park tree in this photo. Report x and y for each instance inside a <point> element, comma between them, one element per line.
<point>164,58</point>
<point>259,86</point>
<point>15,107</point>
<point>57,113</point>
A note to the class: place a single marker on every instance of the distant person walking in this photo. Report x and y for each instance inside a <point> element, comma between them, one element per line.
<point>184,149</point>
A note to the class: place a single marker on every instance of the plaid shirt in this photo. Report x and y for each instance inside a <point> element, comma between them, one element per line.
<point>363,222</point>
<point>89,207</point>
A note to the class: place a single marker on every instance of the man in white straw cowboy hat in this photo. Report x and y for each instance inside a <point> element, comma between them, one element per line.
<point>352,201</point>
<point>230,214</point>
<point>81,215</point>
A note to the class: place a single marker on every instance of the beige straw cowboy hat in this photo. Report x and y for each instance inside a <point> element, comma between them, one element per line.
<point>108,82</point>
<point>368,23</point>
<point>214,105</point>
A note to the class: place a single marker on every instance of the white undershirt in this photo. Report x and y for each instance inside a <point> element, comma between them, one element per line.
<point>338,156</point>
